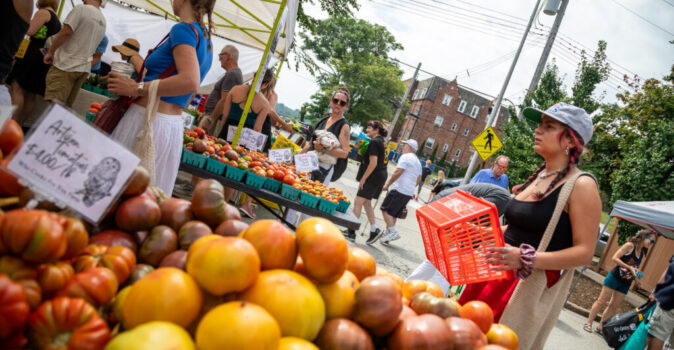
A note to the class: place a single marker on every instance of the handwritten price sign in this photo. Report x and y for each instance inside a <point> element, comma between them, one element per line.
<point>306,162</point>
<point>67,159</point>
<point>280,155</point>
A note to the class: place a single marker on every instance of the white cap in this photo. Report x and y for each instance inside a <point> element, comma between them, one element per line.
<point>412,143</point>
<point>574,117</point>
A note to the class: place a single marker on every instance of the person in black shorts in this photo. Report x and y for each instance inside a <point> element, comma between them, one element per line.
<point>372,175</point>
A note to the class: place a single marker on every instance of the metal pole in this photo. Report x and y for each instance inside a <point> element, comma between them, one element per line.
<point>497,107</point>
<point>402,103</point>
<point>548,47</point>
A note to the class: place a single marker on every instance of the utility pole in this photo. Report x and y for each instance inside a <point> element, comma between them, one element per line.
<point>402,103</point>
<point>497,107</point>
<point>548,47</point>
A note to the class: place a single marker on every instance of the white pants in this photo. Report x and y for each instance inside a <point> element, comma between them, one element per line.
<point>5,97</point>
<point>167,136</point>
<point>427,272</point>
<point>291,215</point>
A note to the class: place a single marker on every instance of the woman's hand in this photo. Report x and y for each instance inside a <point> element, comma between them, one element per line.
<point>121,85</point>
<point>317,146</point>
<point>508,258</point>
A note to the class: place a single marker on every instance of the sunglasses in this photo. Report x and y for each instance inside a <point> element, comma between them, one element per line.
<point>650,239</point>
<point>339,102</point>
<point>222,54</point>
<point>504,168</point>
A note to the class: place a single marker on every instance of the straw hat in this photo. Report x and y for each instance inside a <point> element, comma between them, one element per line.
<point>129,47</point>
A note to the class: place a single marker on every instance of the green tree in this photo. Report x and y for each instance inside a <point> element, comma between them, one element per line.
<point>332,7</point>
<point>420,150</point>
<point>441,162</point>
<point>451,170</point>
<point>435,150</point>
<point>588,75</point>
<point>345,51</point>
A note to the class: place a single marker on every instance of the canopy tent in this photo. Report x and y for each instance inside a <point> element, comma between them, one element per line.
<point>124,22</point>
<point>657,216</point>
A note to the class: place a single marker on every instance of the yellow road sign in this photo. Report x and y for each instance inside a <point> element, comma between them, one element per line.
<point>487,143</point>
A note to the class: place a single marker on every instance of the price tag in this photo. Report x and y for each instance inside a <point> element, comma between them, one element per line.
<point>5,113</point>
<point>69,160</point>
<point>252,139</point>
<point>188,120</point>
<point>280,155</point>
<point>306,162</point>
<point>231,130</point>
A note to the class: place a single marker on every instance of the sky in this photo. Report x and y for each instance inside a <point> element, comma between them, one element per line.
<point>476,41</point>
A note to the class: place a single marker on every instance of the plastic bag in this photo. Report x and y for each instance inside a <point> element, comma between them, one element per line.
<point>617,329</point>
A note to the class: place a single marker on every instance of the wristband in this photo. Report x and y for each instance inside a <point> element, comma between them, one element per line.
<point>527,256</point>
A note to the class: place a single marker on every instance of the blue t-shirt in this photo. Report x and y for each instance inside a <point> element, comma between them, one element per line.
<point>487,176</point>
<point>101,48</point>
<point>162,57</point>
<point>664,292</point>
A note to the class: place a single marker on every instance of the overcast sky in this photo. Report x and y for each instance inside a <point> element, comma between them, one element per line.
<point>475,41</point>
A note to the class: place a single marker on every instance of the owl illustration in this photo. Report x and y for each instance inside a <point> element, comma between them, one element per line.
<point>100,181</point>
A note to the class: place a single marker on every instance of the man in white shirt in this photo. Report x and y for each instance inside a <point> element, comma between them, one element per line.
<point>402,184</point>
<point>73,50</point>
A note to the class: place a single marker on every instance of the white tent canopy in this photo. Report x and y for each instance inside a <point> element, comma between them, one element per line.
<point>657,216</point>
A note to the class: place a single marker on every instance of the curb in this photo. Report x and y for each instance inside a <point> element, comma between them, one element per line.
<point>579,310</point>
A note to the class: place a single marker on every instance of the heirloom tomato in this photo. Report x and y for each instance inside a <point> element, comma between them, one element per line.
<point>52,277</point>
<point>14,308</point>
<point>36,235</point>
<point>156,335</point>
<point>120,260</point>
<point>25,275</point>
<point>68,323</point>
<point>96,285</point>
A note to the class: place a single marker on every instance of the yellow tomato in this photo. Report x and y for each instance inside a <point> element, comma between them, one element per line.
<point>238,325</point>
<point>156,335</point>
<point>292,343</point>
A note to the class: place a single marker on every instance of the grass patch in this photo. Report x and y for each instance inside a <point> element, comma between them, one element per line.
<point>604,218</point>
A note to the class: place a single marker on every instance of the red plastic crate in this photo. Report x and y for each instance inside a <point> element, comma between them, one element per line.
<point>456,230</point>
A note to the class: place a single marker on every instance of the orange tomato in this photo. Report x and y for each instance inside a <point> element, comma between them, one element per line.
<point>478,312</point>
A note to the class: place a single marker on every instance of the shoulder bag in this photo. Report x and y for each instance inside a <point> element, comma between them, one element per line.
<point>533,308</point>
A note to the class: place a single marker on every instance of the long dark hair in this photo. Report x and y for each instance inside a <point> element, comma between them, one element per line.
<point>201,8</point>
<point>574,156</point>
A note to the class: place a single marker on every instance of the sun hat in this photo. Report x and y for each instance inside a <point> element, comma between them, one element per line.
<point>412,144</point>
<point>574,117</point>
<point>129,47</point>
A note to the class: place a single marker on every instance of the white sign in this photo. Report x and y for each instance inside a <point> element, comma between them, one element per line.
<point>252,139</point>
<point>188,121</point>
<point>5,113</point>
<point>306,162</point>
<point>280,155</point>
<point>66,158</point>
<point>231,130</point>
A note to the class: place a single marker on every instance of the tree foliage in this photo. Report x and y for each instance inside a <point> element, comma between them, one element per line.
<point>345,51</point>
<point>332,7</point>
<point>435,150</point>
<point>441,162</point>
<point>420,150</point>
<point>588,75</point>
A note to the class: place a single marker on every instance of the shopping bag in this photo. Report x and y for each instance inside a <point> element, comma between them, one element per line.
<point>637,341</point>
<point>111,113</point>
<point>617,329</point>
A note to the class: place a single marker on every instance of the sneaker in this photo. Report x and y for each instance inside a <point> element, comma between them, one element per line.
<point>374,236</point>
<point>392,236</point>
<point>350,235</point>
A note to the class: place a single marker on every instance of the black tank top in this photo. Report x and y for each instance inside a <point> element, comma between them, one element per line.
<point>630,259</point>
<point>12,30</point>
<point>527,222</point>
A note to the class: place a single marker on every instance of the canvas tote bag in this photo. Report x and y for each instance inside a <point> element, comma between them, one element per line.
<point>533,309</point>
<point>143,145</point>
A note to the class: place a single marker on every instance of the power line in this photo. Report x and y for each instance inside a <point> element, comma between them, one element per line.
<point>643,18</point>
<point>665,1</point>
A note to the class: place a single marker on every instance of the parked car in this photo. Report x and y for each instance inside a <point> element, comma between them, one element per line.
<point>601,242</point>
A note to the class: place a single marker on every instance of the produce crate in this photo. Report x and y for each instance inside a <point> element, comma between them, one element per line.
<point>90,116</point>
<point>254,180</point>
<point>215,166</point>
<point>193,159</point>
<point>308,199</point>
<point>456,231</point>
<point>289,192</point>
<point>326,206</point>
<point>233,173</point>
<point>343,206</point>
<point>272,185</point>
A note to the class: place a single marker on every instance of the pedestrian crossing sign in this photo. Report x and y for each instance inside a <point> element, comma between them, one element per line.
<point>487,143</point>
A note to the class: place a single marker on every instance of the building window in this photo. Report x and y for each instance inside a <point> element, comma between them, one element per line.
<point>465,132</point>
<point>423,93</point>
<point>462,106</point>
<point>474,111</point>
<point>416,94</point>
<point>445,147</point>
<point>454,127</point>
<point>457,153</point>
<point>438,121</point>
<point>429,142</point>
<point>447,99</point>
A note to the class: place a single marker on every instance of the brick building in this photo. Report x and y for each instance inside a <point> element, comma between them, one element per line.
<point>449,115</point>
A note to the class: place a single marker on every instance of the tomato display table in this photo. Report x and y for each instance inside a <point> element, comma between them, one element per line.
<point>347,219</point>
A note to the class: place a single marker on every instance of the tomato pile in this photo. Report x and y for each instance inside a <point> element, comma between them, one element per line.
<point>167,273</point>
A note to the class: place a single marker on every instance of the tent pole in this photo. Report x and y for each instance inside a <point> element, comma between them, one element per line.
<point>280,65</point>
<point>251,92</point>
<point>608,244</point>
<point>60,10</point>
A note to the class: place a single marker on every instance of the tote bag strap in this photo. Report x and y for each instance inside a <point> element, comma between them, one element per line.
<point>143,145</point>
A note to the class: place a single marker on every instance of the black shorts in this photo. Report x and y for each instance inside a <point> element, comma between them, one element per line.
<point>394,203</point>
<point>373,186</point>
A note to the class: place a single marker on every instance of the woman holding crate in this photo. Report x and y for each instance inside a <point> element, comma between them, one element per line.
<point>553,220</point>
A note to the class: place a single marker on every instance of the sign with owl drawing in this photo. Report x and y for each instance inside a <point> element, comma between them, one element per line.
<point>67,159</point>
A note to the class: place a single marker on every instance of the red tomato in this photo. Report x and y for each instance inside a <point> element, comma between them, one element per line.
<point>271,173</point>
<point>9,184</point>
<point>14,308</point>
<point>200,132</point>
<point>96,285</point>
<point>36,235</point>
<point>233,163</point>
<point>53,277</point>
<point>120,260</point>
<point>289,180</point>
<point>69,323</point>
<point>20,272</point>
<point>478,312</point>
<point>11,136</point>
